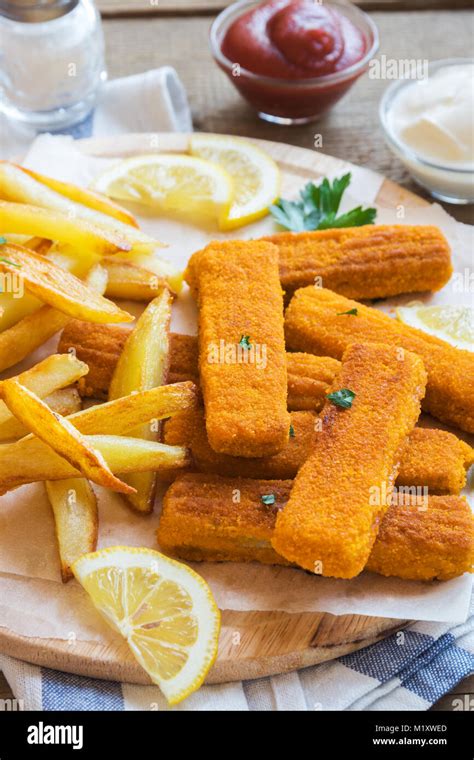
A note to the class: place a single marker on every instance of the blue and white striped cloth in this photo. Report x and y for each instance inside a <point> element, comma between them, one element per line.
<point>409,670</point>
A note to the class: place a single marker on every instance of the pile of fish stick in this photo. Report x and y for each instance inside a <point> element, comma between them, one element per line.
<point>307,448</point>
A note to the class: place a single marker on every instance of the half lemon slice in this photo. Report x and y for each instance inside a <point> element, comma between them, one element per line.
<point>454,324</point>
<point>164,610</point>
<point>173,183</point>
<point>255,174</point>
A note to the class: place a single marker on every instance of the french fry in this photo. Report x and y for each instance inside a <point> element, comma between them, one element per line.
<point>121,416</point>
<point>88,198</point>
<point>122,454</point>
<point>21,186</point>
<point>158,266</point>
<point>54,372</point>
<point>58,288</point>
<point>129,281</point>
<point>60,434</point>
<point>35,329</point>
<point>64,401</point>
<point>21,218</point>
<point>142,365</point>
<point>76,520</point>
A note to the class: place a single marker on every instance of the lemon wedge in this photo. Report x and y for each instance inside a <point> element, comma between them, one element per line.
<point>164,610</point>
<point>454,324</point>
<point>173,183</point>
<point>256,176</point>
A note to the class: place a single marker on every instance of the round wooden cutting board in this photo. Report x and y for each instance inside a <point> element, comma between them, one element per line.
<point>252,644</point>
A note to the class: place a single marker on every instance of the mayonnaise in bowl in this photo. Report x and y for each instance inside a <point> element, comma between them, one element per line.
<point>429,124</point>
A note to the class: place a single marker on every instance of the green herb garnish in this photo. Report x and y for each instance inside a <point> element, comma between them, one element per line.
<point>244,341</point>
<point>342,398</point>
<point>351,312</point>
<point>318,206</point>
<point>2,240</point>
<point>292,431</point>
<point>268,499</point>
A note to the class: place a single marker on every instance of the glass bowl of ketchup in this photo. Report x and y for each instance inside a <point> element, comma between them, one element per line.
<point>292,60</point>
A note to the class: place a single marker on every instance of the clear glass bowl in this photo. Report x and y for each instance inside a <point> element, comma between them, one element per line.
<point>292,101</point>
<point>445,182</point>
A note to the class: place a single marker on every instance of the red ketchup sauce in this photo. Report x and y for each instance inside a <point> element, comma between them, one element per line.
<point>293,40</point>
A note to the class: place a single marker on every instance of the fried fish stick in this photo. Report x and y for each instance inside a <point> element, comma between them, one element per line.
<point>242,359</point>
<point>330,522</point>
<point>373,261</point>
<point>432,459</point>
<point>317,321</point>
<point>435,459</point>
<point>201,521</point>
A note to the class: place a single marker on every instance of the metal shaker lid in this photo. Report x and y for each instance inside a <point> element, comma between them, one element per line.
<point>34,11</point>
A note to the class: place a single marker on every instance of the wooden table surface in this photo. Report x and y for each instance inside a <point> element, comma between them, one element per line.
<point>141,35</point>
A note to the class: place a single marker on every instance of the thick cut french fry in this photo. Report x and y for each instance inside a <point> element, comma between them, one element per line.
<point>122,454</point>
<point>124,414</point>
<point>35,329</point>
<point>155,264</point>
<point>60,434</point>
<point>142,365</point>
<point>54,372</point>
<point>16,191</point>
<point>131,282</point>
<point>58,288</point>
<point>64,401</point>
<point>21,218</point>
<point>76,520</point>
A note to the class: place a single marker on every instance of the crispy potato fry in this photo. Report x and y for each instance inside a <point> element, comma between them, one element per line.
<point>60,434</point>
<point>56,287</point>
<point>88,198</point>
<point>158,266</point>
<point>129,281</point>
<point>142,365</point>
<point>122,454</point>
<point>35,329</point>
<point>21,218</point>
<point>64,401</point>
<point>54,372</point>
<point>76,520</point>
<point>121,416</point>
<point>21,186</point>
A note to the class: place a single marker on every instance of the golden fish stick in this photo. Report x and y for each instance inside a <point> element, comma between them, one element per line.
<point>432,459</point>
<point>201,521</point>
<point>341,492</point>
<point>373,261</point>
<point>242,359</point>
<point>317,321</point>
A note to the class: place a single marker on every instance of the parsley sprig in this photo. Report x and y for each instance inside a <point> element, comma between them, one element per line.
<point>318,206</point>
<point>342,398</point>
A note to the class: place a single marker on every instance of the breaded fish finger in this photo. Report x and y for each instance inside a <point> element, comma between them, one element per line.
<point>372,261</point>
<point>317,321</point>
<point>330,522</point>
<point>242,359</point>
<point>201,521</point>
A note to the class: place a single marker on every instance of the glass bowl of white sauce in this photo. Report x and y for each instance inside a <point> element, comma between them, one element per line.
<point>429,125</point>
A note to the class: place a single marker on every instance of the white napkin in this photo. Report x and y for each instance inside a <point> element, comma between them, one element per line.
<point>154,101</point>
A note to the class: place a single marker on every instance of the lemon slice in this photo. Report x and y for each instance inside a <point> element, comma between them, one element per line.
<point>256,176</point>
<point>454,324</point>
<point>173,183</point>
<point>164,610</point>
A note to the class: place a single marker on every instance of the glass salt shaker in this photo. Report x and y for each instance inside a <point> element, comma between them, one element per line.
<point>51,61</point>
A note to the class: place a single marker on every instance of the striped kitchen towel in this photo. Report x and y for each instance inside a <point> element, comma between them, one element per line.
<point>409,670</point>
